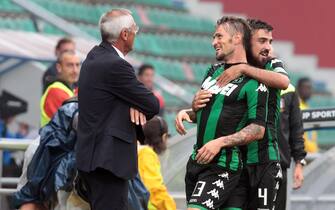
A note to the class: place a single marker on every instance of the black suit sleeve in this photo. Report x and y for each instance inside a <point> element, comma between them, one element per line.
<point>126,86</point>
<point>296,140</point>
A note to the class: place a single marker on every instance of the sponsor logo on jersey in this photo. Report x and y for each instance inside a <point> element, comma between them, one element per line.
<point>210,85</point>
<point>262,88</point>
<point>238,80</point>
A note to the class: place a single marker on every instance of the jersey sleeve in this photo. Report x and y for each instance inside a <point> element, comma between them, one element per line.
<point>276,65</point>
<point>257,98</point>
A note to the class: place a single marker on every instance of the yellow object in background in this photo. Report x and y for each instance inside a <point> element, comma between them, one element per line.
<point>310,137</point>
<point>150,172</point>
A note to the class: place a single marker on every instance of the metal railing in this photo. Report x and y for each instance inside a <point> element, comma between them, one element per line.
<point>13,145</point>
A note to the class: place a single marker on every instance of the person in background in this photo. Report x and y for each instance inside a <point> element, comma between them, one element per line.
<point>146,74</point>
<point>155,132</point>
<point>10,169</point>
<point>23,130</point>
<point>290,143</point>
<point>68,65</point>
<point>304,88</point>
<point>50,75</point>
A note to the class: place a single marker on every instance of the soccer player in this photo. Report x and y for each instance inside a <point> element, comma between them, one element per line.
<point>239,108</point>
<point>262,174</point>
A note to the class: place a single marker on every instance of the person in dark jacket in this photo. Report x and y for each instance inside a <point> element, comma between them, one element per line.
<point>106,150</point>
<point>291,142</point>
<point>42,180</point>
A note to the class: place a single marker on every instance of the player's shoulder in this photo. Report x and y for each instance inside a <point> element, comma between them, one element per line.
<point>276,65</point>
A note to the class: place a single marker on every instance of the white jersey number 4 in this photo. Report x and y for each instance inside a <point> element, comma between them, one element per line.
<point>263,193</point>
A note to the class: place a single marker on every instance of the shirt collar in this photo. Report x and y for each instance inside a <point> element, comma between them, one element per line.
<point>119,52</point>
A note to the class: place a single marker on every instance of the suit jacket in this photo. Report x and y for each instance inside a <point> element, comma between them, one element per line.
<point>108,88</point>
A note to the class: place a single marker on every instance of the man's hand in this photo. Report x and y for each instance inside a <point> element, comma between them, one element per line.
<point>200,99</point>
<point>298,176</point>
<point>137,117</point>
<point>230,74</point>
<point>182,116</point>
<point>207,152</point>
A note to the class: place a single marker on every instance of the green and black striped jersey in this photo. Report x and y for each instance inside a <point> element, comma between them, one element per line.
<point>231,108</point>
<point>266,150</point>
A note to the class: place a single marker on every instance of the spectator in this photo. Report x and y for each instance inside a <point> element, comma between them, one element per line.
<point>60,90</point>
<point>23,130</point>
<point>155,132</point>
<point>146,74</point>
<point>64,44</point>
<point>291,143</point>
<point>305,92</point>
<point>10,168</point>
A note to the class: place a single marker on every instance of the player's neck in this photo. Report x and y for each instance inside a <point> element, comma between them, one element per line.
<point>238,56</point>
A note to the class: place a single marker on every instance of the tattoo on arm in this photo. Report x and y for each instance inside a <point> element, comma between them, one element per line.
<point>248,134</point>
<point>192,115</point>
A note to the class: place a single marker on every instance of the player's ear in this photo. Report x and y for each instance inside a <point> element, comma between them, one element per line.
<point>237,38</point>
<point>124,34</point>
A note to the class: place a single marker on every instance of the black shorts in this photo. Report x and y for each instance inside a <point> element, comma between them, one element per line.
<point>208,186</point>
<point>257,188</point>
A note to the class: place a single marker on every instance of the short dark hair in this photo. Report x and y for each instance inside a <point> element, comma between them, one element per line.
<point>238,25</point>
<point>303,80</point>
<point>62,41</point>
<point>256,24</point>
<point>144,67</point>
<point>153,131</point>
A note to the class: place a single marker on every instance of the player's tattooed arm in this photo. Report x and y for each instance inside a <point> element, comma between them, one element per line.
<point>248,134</point>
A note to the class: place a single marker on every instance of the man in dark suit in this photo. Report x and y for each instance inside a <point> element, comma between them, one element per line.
<point>106,150</point>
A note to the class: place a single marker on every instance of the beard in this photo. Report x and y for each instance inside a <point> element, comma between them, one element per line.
<point>255,61</point>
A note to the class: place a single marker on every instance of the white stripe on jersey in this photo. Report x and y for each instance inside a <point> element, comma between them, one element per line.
<point>279,70</point>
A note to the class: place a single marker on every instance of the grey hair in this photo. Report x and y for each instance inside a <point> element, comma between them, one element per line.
<point>113,22</point>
